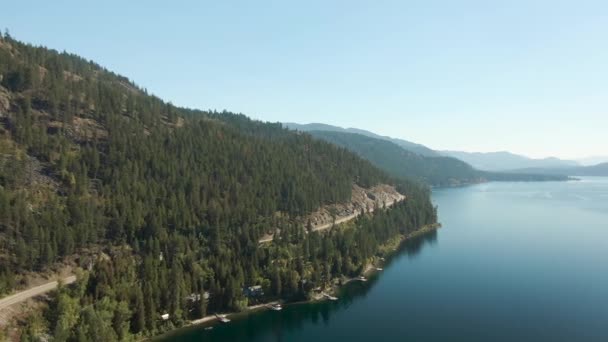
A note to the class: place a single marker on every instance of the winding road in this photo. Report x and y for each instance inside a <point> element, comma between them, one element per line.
<point>338,221</point>
<point>33,292</point>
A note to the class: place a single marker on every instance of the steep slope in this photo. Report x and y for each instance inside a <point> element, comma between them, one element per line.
<point>503,161</point>
<point>408,145</point>
<point>400,162</point>
<point>436,171</point>
<point>175,200</point>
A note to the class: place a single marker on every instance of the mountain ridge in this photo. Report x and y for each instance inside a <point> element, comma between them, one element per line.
<point>599,170</point>
<point>411,146</point>
<point>505,160</point>
<point>435,171</point>
<point>499,161</point>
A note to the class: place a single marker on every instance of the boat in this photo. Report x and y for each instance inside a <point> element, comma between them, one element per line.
<point>222,318</point>
<point>379,269</point>
<point>362,278</point>
<point>209,328</point>
<point>275,307</point>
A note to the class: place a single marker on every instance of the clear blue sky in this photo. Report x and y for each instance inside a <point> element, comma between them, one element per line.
<point>520,75</point>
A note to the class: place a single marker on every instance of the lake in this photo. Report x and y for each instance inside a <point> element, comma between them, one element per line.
<point>513,262</point>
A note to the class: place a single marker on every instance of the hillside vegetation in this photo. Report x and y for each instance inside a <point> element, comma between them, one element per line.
<point>402,163</point>
<point>408,145</point>
<point>176,198</point>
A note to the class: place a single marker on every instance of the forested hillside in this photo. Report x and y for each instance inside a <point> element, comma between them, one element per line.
<point>175,198</point>
<point>436,171</point>
<point>408,145</point>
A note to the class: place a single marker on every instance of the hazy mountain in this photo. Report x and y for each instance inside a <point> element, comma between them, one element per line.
<point>594,170</point>
<point>491,161</point>
<point>594,160</point>
<point>402,163</point>
<point>408,145</point>
<point>502,161</point>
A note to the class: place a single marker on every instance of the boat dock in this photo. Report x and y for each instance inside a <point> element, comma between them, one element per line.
<point>275,307</point>
<point>330,297</point>
<point>222,318</point>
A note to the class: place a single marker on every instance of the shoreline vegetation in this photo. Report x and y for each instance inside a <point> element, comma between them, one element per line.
<point>174,200</point>
<point>384,251</point>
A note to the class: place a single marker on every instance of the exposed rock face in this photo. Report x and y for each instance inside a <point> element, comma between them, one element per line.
<point>4,102</point>
<point>363,200</point>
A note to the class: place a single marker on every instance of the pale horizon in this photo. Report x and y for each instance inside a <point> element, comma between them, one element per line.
<point>445,75</point>
<point>454,147</point>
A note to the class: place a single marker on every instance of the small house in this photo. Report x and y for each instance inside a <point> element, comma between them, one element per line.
<point>253,291</point>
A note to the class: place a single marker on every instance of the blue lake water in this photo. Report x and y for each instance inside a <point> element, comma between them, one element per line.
<point>513,262</point>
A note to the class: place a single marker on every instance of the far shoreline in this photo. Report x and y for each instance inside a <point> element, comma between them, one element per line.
<point>464,185</point>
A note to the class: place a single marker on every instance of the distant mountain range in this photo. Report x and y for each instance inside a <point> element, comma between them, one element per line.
<point>594,160</point>
<point>501,161</point>
<point>594,170</point>
<point>400,157</point>
<point>408,145</point>
<point>400,162</point>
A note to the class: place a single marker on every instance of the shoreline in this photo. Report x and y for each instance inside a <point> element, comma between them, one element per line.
<point>387,250</point>
<point>485,181</point>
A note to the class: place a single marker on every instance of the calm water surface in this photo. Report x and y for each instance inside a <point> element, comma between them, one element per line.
<point>513,262</point>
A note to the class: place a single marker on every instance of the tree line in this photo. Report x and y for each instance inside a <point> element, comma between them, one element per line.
<point>178,198</point>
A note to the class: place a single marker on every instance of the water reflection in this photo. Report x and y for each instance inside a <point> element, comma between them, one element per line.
<point>414,246</point>
<point>271,325</point>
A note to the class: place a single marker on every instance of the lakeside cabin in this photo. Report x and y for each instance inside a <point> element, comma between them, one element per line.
<point>253,291</point>
<point>195,297</point>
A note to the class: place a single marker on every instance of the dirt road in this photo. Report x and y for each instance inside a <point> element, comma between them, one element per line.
<point>269,238</point>
<point>33,292</point>
<point>350,217</point>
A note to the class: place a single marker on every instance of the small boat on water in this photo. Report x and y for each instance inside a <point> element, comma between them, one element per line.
<point>379,269</point>
<point>275,307</point>
<point>222,318</point>
<point>209,328</point>
<point>362,278</point>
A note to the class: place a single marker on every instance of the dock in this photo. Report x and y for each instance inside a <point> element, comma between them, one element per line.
<point>275,307</point>
<point>330,297</point>
<point>222,318</point>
